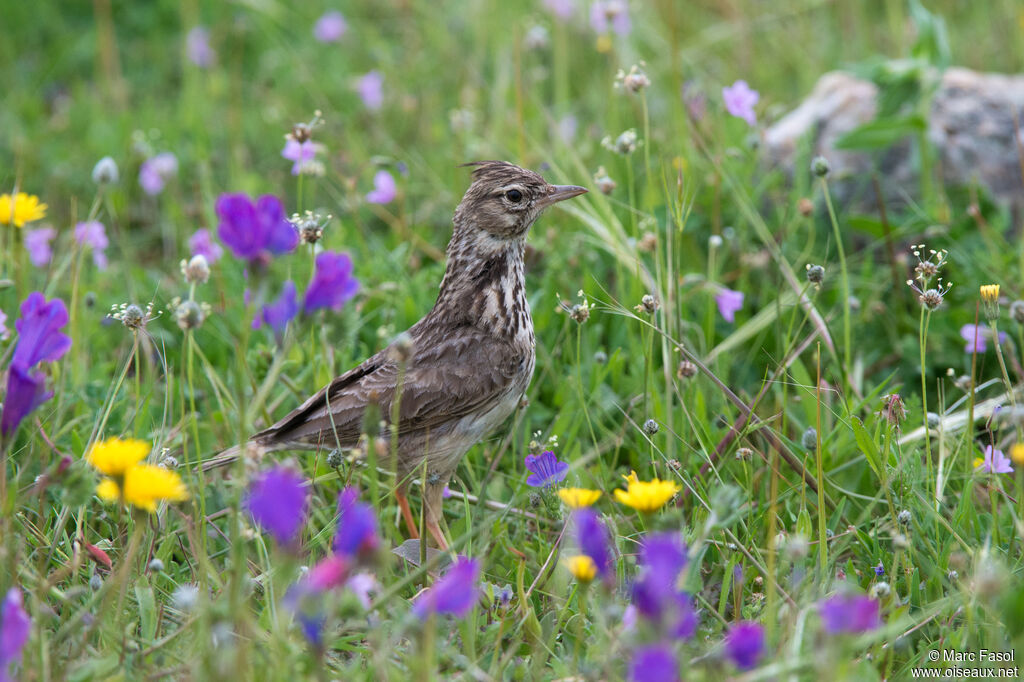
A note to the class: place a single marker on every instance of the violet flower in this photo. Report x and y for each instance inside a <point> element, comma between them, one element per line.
<point>455,593</point>
<point>37,243</point>
<point>744,644</point>
<point>357,526</point>
<point>330,27</point>
<point>656,593</point>
<point>654,664</point>
<point>740,100</point>
<point>546,470</point>
<point>560,8</point>
<point>202,243</point>
<point>610,13</point>
<point>15,627</point>
<point>26,390</point>
<point>729,302</point>
<point>278,314</point>
<point>977,337</point>
<point>39,335</point>
<point>156,171</point>
<point>277,501</point>
<point>255,230</point>
<point>92,234</point>
<point>371,90</point>
<point>995,462</point>
<point>849,613</point>
<point>305,598</point>
<point>302,153</point>
<point>197,47</point>
<point>333,284</point>
<point>592,538</point>
<point>5,332</point>
<point>384,189</point>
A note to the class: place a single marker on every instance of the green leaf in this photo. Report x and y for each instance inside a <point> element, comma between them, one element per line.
<point>147,608</point>
<point>881,133</point>
<point>867,446</point>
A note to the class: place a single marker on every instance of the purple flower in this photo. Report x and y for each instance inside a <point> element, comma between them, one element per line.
<point>330,27</point>
<point>333,283</point>
<point>740,101</point>
<point>455,593</point>
<point>995,462</point>
<point>361,585</point>
<point>977,336</point>
<point>729,302</point>
<point>357,526</point>
<point>371,90</point>
<point>654,664</point>
<point>560,8</point>
<point>384,190</point>
<point>37,243</point>
<point>663,556</point>
<point>277,501</point>
<point>849,613</point>
<point>39,335</point>
<point>656,594</point>
<point>879,569</point>
<point>744,644</point>
<point>304,598</point>
<point>254,231</point>
<point>610,13</point>
<point>5,332</point>
<point>15,627</point>
<point>302,153</point>
<point>592,538</point>
<point>278,314</point>
<point>197,47</point>
<point>156,171</point>
<point>547,470</point>
<point>94,235</point>
<point>26,390</point>
<point>201,243</point>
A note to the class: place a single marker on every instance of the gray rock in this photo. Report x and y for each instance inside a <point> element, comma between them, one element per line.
<point>971,126</point>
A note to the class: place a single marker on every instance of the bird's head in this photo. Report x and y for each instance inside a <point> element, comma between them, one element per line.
<point>504,199</point>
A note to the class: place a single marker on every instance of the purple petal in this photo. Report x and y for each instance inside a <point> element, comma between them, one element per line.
<point>15,627</point>
<point>547,470</point>
<point>371,90</point>
<point>744,644</point>
<point>201,243</point>
<point>384,189</point>
<point>330,27</point>
<point>654,664</point>
<point>281,236</point>
<point>277,501</point>
<point>455,593</point>
<point>39,335</point>
<point>592,538</point>
<point>197,47</point>
<point>332,285</point>
<point>37,243</point>
<point>357,526</point>
<point>278,314</point>
<point>729,302</point>
<point>26,390</point>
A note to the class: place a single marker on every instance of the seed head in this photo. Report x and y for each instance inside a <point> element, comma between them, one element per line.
<point>929,266</point>
<point>880,591</point>
<point>893,409</point>
<point>1017,311</point>
<point>625,144</point>
<point>931,298</point>
<point>580,312</point>
<point>805,206</point>
<point>686,370</point>
<point>95,582</point>
<point>819,166</point>
<point>402,348</point>
<point>196,270</point>
<point>105,172</point>
<point>156,566</point>
<point>604,183</point>
<point>189,315</point>
<point>815,275</point>
<point>632,82</point>
<point>600,357</point>
<point>334,458</point>
<point>310,226</point>
<point>648,304</point>
<point>648,242</point>
<point>809,439</point>
<point>650,427</point>
<point>185,597</point>
<point>744,454</point>
<point>904,517</point>
<point>132,316</point>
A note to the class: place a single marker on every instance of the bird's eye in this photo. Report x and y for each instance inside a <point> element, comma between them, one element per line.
<point>514,195</point>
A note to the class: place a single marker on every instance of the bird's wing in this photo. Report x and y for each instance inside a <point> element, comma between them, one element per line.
<point>466,372</point>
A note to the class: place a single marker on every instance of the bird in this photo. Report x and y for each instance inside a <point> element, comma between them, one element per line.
<point>457,374</point>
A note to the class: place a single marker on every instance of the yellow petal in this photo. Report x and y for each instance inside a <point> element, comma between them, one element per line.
<point>576,498</point>
<point>108,491</point>
<point>582,567</point>
<point>114,456</point>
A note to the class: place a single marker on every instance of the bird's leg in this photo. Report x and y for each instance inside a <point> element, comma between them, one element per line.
<point>403,505</point>
<point>433,496</point>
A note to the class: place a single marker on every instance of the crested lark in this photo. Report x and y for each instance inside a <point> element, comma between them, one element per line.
<point>460,371</point>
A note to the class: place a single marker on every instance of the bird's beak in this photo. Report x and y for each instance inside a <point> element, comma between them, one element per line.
<point>558,193</point>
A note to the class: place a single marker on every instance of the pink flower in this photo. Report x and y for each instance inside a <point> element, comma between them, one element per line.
<point>740,101</point>
<point>156,171</point>
<point>371,90</point>
<point>610,13</point>
<point>384,190</point>
<point>94,235</point>
<point>729,302</point>
<point>37,243</point>
<point>202,243</point>
<point>5,333</point>
<point>995,462</point>
<point>197,47</point>
<point>330,27</point>
<point>560,8</point>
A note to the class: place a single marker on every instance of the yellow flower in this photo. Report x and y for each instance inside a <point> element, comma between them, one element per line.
<point>646,496</point>
<point>578,497</point>
<point>1017,454</point>
<point>23,208</point>
<point>114,456</point>
<point>144,486</point>
<point>582,567</point>
<point>990,293</point>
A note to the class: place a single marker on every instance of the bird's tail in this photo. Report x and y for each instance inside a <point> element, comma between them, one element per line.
<point>256,447</point>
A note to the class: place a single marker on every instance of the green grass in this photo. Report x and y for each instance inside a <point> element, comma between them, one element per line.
<point>85,80</point>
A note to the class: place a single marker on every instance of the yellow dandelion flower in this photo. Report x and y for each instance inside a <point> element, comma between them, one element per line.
<point>989,293</point>
<point>646,496</point>
<point>22,208</point>
<point>114,456</point>
<point>582,567</point>
<point>144,486</point>
<point>1017,454</point>
<point>577,498</point>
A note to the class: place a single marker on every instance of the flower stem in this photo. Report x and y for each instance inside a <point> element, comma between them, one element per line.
<point>845,277</point>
